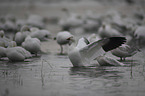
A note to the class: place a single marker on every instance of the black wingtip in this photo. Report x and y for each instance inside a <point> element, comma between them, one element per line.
<point>113,43</point>
<point>86,40</point>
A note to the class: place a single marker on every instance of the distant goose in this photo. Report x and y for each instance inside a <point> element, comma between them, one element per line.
<point>15,53</point>
<point>3,40</point>
<point>140,34</point>
<point>82,54</point>
<point>42,34</point>
<point>93,37</point>
<point>108,61</point>
<point>35,20</point>
<point>2,52</point>
<point>72,21</point>
<point>124,51</point>
<point>107,31</point>
<point>61,39</point>
<point>20,36</point>
<point>33,45</point>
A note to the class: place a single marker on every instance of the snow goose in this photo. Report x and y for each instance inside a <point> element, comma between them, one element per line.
<point>35,20</point>
<point>108,61</point>
<point>82,54</point>
<point>90,25</point>
<point>73,21</point>
<point>94,37</point>
<point>33,45</point>
<point>2,52</point>
<point>20,36</point>
<point>42,35</point>
<point>3,40</point>
<point>61,39</point>
<point>15,53</point>
<point>124,51</point>
<point>107,31</point>
<point>140,34</point>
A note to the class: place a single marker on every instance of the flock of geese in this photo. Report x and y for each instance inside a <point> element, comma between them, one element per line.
<point>81,52</point>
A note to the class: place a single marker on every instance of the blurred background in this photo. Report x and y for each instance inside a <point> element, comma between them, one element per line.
<point>55,11</point>
<point>35,77</point>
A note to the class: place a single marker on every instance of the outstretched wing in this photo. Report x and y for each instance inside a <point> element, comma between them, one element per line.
<point>113,43</point>
<point>98,48</point>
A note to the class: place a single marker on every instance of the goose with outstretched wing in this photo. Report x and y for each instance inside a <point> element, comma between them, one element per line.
<point>84,52</point>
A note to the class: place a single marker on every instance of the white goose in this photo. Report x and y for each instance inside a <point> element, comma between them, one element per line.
<point>35,20</point>
<point>82,54</point>
<point>42,35</point>
<point>61,39</point>
<point>124,51</point>
<point>20,36</point>
<point>140,35</point>
<point>93,37</point>
<point>107,31</point>
<point>33,45</point>
<point>15,53</point>
<point>3,40</point>
<point>2,52</point>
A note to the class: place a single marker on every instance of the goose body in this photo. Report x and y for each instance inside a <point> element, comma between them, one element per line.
<point>140,35</point>
<point>107,31</point>
<point>33,45</point>
<point>2,52</point>
<point>15,53</point>
<point>20,36</point>
<point>3,40</point>
<point>42,35</point>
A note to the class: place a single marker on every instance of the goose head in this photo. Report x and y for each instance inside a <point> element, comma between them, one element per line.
<point>70,40</point>
<point>12,44</point>
<point>1,33</point>
<point>25,28</point>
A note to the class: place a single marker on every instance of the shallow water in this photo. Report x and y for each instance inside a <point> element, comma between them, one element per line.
<point>50,74</point>
<point>53,75</point>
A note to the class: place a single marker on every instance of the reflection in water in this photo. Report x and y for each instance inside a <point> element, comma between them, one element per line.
<point>9,76</point>
<point>101,79</point>
<point>6,92</point>
<point>94,71</point>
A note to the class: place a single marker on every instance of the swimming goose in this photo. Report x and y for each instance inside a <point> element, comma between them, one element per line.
<point>82,54</point>
<point>124,51</point>
<point>61,39</point>
<point>33,45</point>
<point>15,53</point>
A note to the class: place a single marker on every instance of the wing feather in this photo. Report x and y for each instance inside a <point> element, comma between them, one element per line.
<point>113,43</point>
<point>92,50</point>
